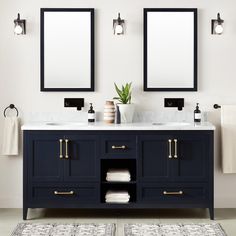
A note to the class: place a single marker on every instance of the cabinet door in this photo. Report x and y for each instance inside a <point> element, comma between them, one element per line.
<point>82,163</point>
<point>43,157</point>
<point>192,157</point>
<point>154,162</point>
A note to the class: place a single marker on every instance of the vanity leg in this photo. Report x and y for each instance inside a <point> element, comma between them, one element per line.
<point>211,211</point>
<point>25,211</point>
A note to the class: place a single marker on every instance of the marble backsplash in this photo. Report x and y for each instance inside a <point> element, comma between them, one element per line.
<point>172,115</point>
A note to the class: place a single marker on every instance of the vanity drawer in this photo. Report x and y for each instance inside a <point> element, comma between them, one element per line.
<point>82,193</point>
<point>119,146</point>
<point>173,193</point>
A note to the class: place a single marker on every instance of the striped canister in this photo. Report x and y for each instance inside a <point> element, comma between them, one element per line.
<point>109,112</point>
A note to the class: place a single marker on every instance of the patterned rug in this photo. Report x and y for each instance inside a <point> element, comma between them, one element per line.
<point>213,229</point>
<point>37,229</point>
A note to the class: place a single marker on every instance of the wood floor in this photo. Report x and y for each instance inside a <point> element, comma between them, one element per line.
<point>10,217</point>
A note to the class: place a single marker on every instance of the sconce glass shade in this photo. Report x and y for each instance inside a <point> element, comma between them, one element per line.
<point>217,25</point>
<point>118,26</point>
<point>219,29</point>
<point>20,26</point>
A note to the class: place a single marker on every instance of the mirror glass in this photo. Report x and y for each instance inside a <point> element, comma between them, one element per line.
<point>67,49</point>
<point>170,49</point>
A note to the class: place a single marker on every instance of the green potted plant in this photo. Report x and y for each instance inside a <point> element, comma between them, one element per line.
<point>125,106</point>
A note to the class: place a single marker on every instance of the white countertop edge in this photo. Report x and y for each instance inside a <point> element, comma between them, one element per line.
<point>104,126</point>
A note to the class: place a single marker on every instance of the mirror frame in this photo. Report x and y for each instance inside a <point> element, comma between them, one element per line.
<point>195,49</point>
<point>92,60</point>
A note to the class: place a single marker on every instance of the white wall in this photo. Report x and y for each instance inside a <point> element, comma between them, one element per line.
<point>118,59</point>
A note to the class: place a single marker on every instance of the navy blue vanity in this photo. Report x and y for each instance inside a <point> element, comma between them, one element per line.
<point>170,168</point>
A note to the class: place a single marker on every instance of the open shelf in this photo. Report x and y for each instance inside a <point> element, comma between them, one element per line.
<point>130,188</point>
<point>107,164</point>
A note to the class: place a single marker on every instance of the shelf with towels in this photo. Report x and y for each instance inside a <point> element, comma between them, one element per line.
<point>129,197</point>
<point>125,168</point>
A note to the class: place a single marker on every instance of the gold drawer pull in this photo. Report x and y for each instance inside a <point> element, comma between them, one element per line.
<point>118,147</point>
<point>66,155</point>
<point>61,155</point>
<point>173,193</point>
<point>176,151</point>
<point>64,193</point>
<point>170,151</point>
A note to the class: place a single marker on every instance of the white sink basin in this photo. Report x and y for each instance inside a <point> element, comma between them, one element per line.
<point>171,123</point>
<point>64,123</point>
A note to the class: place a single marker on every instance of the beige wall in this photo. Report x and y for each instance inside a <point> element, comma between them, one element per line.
<point>118,59</point>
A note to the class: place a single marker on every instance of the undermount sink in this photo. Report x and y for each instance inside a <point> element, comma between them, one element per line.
<point>171,123</point>
<point>64,123</point>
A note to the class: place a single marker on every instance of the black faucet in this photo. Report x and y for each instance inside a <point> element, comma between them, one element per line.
<point>174,102</point>
<point>74,102</point>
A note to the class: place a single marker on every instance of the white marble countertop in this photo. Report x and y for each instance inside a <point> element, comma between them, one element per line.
<point>104,126</point>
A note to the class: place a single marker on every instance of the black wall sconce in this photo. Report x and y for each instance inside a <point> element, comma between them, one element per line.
<point>20,25</point>
<point>217,25</point>
<point>118,25</point>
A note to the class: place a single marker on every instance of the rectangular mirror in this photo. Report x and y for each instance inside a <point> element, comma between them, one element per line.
<point>170,49</point>
<point>67,49</point>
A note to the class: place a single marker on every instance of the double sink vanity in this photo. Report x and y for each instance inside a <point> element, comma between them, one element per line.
<point>171,165</point>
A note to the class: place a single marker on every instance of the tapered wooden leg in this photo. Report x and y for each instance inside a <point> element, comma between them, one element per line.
<point>211,211</point>
<point>25,211</point>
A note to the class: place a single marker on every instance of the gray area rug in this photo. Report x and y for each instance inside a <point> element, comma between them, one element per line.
<point>213,229</point>
<point>40,229</point>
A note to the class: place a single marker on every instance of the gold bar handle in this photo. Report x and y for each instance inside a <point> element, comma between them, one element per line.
<point>118,147</point>
<point>66,155</point>
<point>63,193</point>
<point>170,151</point>
<point>173,193</point>
<point>176,151</point>
<point>61,149</point>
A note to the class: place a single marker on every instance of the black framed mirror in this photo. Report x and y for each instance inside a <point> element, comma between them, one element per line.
<point>67,49</point>
<point>170,49</point>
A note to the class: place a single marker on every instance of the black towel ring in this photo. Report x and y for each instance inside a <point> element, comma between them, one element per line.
<point>11,106</point>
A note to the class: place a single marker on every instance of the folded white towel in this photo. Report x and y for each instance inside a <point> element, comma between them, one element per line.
<point>122,175</point>
<point>118,179</point>
<point>117,197</point>
<point>10,141</point>
<point>117,193</point>
<point>117,201</point>
<point>120,171</point>
<point>118,174</point>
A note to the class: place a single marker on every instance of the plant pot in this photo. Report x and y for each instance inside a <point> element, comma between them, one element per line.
<point>126,112</point>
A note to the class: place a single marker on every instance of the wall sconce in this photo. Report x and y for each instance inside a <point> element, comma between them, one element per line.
<point>217,25</point>
<point>119,25</point>
<point>20,25</point>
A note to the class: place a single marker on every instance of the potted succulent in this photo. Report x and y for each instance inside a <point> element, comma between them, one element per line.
<point>125,106</point>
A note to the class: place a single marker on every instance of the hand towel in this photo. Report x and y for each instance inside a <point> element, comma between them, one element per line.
<point>228,138</point>
<point>10,141</point>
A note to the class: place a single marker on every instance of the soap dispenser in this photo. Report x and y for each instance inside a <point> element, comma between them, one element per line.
<point>197,114</point>
<point>91,114</point>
